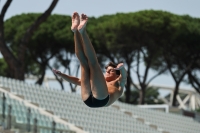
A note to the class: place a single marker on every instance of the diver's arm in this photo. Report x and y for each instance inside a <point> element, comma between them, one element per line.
<point>71,79</point>
<point>123,75</point>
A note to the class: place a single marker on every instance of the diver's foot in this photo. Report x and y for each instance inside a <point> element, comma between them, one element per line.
<point>75,21</point>
<point>83,23</point>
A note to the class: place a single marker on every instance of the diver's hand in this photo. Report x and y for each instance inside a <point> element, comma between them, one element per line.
<point>56,72</point>
<point>119,66</point>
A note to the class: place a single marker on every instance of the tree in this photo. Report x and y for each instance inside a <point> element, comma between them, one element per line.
<point>127,40</point>
<point>52,41</point>
<point>193,42</point>
<point>151,97</point>
<point>178,52</point>
<point>198,110</point>
<point>15,61</point>
<point>194,79</point>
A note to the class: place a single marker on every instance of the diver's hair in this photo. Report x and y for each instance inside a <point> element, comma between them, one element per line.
<point>114,66</point>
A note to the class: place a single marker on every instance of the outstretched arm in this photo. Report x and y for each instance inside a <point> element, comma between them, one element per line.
<point>68,78</point>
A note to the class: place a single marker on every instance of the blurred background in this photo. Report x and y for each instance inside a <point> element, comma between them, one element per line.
<point>158,42</point>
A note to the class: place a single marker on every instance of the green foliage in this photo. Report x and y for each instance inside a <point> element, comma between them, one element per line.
<point>53,36</point>
<point>198,110</point>
<point>124,33</point>
<point>54,31</point>
<point>158,34</point>
<point>4,68</point>
<point>152,96</point>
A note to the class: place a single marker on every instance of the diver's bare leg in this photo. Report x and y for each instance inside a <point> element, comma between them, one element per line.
<point>97,80</point>
<point>85,71</point>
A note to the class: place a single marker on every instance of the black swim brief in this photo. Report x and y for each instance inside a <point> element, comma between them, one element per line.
<point>95,103</point>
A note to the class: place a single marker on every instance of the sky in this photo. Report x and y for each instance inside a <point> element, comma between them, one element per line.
<point>98,8</point>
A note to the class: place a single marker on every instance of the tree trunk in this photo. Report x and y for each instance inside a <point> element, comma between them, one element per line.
<point>128,85</point>
<point>142,94</point>
<point>16,65</point>
<point>15,68</point>
<point>194,82</point>
<point>40,80</point>
<point>73,88</point>
<point>19,72</point>
<point>128,90</point>
<point>175,94</point>
<point>176,89</point>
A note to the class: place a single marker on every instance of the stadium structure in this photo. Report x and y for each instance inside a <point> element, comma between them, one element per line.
<point>29,108</point>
